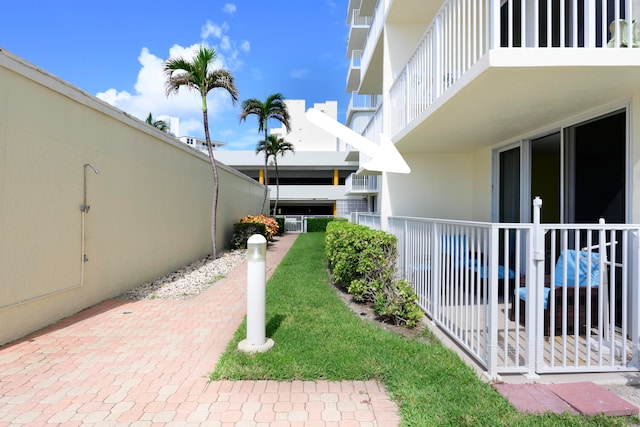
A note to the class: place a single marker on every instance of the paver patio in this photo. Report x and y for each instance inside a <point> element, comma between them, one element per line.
<point>146,362</point>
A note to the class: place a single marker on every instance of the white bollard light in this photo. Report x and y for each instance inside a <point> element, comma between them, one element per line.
<point>256,341</point>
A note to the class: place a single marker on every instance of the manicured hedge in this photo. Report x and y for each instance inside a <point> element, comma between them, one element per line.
<point>280,220</point>
<point>363,261</point>
<point>320,224</point>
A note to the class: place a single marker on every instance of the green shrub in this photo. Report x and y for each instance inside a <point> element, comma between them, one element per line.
<point>399,304</point>
<point>363,261</point>
<point>280,221</point>
<point>243,230</point>
<point>320,224</point>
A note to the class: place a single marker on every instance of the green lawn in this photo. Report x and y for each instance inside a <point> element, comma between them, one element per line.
<point>317,337</point>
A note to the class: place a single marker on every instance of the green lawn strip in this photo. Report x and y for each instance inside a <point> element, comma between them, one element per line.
<point>318,337</point>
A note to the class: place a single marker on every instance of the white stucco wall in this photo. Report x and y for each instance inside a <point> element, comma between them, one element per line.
<point>150,205</point>
<point>440,185</point>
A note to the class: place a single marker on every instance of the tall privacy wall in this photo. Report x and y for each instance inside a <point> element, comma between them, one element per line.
<point>148,200</point>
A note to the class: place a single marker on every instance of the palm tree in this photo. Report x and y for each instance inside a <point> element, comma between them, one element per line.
<point>158,124</point>
<point>198,75</point>
<point>273,107</point>
<point>273,148</point>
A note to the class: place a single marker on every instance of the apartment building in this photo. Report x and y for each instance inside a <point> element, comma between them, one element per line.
<point>316,179</point>
<point>492,103</point>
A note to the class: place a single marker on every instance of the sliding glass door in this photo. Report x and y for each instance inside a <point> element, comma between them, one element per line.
<point>579,172</point>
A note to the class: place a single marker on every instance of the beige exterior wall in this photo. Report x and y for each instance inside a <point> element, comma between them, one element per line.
<point>150,205</point>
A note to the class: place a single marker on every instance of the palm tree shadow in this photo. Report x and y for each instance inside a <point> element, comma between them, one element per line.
<point>274,324</point>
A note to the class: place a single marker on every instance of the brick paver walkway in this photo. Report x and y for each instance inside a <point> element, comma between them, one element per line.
<point>146,362</point>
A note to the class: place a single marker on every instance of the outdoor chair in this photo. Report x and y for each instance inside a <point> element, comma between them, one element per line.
<point>622,39</point>
<point>457,255</point>
<point>587,280</point>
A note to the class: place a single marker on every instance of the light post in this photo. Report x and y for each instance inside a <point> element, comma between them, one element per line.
<point>256,341</point>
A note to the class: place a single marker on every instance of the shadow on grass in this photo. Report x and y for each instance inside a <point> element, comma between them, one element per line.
<point>274,324</point>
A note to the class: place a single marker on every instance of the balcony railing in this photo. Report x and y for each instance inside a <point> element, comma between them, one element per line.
<point>463,31</point>
<point>353,75</point>
<point>359,102</point>
<point>473,279</point>
<point>373,130</point>
<point>358,31</point>
<point>375,29</point>
<point>361,184</point>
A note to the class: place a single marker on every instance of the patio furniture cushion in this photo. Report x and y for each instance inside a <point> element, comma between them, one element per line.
<point>588,274</point>
<point>583,268</point>
<point>522,294</point>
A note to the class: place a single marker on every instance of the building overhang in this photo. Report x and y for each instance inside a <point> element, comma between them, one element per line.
<point>513,93</point>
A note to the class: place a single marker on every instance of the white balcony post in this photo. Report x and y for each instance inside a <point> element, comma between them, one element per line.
<point>493,324</point>
<point>256,341</point>
<point>534,314</point>
<point>494,24</point>
<point>590,24</point>
<point>634,315</point>
<point>436,282</point>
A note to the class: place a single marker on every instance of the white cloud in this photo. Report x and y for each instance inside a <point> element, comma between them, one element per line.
<point>149,93</point>
<point>256,74</point>
<point>299,73</point>
<point>210,29</point>
<point>245,46</point>
<point>229,8</point>
<point>225,43</point>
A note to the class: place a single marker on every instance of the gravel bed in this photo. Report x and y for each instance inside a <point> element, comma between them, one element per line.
<point>189,280</point>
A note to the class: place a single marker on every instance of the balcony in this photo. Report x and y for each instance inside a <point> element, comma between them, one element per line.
<point>358,31</point>
<point>371,81</point>
<point>361,184</point>
<point>518,69</point>
<point>353,75</point>
<point>471,279</point>
<point>362,103</point>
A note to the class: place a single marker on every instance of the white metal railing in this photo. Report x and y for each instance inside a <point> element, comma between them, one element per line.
<point>463,31</point>
<point>360,21</point>
<point>361,184</point>
<point>589,320</point>
<point>505,295</point>
<point>363,101</point>
<point>360,102</point>
<point>370,220</point>
<point>462,280</point>
<point>356,59</point>
<point>298,223</point>
<point>373,130</point>
<point>375,30</point>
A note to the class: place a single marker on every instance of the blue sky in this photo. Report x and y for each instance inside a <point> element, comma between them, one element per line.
<point>115,50</point>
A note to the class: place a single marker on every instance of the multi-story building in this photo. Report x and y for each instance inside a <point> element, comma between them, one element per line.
<point>200,144</point>
<point>492,103</point>
<point>316,179</point>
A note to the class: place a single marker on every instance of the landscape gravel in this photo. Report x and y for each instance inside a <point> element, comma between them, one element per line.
<point>189,280</point>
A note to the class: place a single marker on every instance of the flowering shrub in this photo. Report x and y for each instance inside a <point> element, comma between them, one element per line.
<point>270,224</point>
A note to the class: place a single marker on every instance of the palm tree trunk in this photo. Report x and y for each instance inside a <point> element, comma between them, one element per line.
<point>214,168</point>
<point>275,207</point>
<point>266,179</point>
